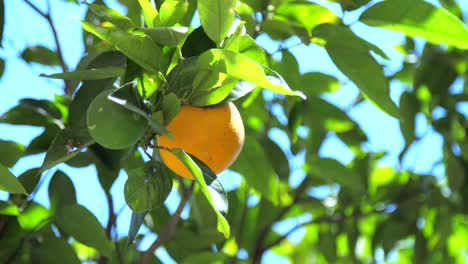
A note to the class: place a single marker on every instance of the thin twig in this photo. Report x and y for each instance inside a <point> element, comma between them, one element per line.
<point>169,229</point>
<point>59,52</point>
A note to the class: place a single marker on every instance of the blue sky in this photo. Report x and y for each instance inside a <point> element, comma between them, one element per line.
<point>25,28</point>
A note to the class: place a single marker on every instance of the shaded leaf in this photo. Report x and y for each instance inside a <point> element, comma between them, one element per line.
<point>170,107</point>
<point>42,142</point>
<point>196,43</point>
<point>455,171</point>
<point>136,221</point>
<point>10,152</point>
<point>29,179</point>
<point>61,191</point>
<point>335,172</point>
<point>148,187</point>
<point>91,74</point>
<point>55,251</point>
<point>278,158</point>
<point>254,165</point>
<point>316,83</point>
<point>40,54</point>
<point>9,182</point>
<point>106,113</point>
<point>77,221</point>
<point>65,146</point>
<point>204,257</point>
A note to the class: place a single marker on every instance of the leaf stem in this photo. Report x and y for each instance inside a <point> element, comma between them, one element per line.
<point>169,229</point>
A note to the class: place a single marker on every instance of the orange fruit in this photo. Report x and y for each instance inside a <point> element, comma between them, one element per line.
<point>215,135</point>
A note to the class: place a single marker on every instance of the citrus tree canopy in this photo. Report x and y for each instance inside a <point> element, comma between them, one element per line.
<point>234,131</point>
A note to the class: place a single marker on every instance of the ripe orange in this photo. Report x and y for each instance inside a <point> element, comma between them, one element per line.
<point>215,135</point>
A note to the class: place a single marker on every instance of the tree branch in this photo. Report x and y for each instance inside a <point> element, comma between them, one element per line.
<point>112,216</point>
<point>324,219</point>
<point>59,52</point>
<point>170,228</point>
<point>258,252</point>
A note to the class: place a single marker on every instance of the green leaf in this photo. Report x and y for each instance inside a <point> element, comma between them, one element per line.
<point>91,74</point>
<point>167,36</point>
<point>204,257</point>
<point>34,217</point>
<point>34,112</point>
<point>333,171</point>
<point>222,225</point>
<point>409,105</point>
<point>351,55</point>
<point>170,107</point>
<point>148,187</point>
<point>150,13</point>
<point>61,191</point>
<point>55,251</point>
<point>216,17</point>
<point>40,54</point>
<point>172,11</point>
<point>22,115</point>
<point>418,18</point>
<point>126,97</point>
<point>159,218</point>
<point>112,16</point>
<point>2,61</point>
<point>254,165</point>
<point>316,83</point>
<point>196,43</point>
<point>9,208</point>
<point>29,179</point>
<point>218,194</point>
<point>136,221</point>
<point>10,152</point>
<point>77,221</point>
<point>104,115</point>
<point>138,47</point>
<point>42,142</point>
<point>241,88</point>
<point>65,146</point>
<point>241,67</point>
<point>90,89</point>
<point>305,14</point>
<point>277,157</point>
<point>455,171</point>
<point>9,182</point>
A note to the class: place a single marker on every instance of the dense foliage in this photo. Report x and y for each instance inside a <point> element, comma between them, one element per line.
<point>139,69</point>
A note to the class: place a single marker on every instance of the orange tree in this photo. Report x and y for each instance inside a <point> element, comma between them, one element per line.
<point>142,68</point>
